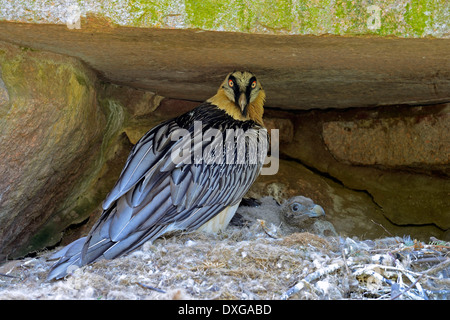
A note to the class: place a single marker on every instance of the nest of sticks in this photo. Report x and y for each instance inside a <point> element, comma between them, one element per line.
<point>390,268</point>
<point>252,262</point>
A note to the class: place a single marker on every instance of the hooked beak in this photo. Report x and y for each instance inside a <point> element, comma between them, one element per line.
<point>316,211</point>
<point>242,102</point>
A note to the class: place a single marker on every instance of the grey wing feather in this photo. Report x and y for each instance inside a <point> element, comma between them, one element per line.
<point>71,249</point>
<point>142,159</point>
<point>154,195</point>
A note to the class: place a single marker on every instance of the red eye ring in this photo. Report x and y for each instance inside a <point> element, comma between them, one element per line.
<point>231,83</point>
<point>253,84</point>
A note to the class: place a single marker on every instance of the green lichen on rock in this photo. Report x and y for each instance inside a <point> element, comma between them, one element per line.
<point>402,18</point>
<point>50,129</point>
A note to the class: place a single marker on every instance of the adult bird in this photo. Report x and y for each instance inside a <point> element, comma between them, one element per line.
<point>186,173</point>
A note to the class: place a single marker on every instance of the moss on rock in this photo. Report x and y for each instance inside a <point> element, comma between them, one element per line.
<point>402,18</point>
<point>49,132</point>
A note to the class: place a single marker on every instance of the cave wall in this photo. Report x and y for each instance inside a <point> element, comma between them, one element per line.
<point>363,118</point>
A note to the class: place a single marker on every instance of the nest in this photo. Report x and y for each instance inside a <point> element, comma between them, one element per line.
<point>247,263</point>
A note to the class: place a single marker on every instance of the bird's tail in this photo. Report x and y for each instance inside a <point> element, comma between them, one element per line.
<point>77,254</point>
<point>69,260</point>
<point>100,243</point>
<point>82,251</point>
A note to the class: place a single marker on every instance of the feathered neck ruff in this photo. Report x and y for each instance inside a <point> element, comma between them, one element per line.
<point>255,109</point>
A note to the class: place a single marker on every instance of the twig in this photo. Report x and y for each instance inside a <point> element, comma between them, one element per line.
<point>346,280</point>
<point>409,288</point>
<point>373,266</point>
<point>395,289</point>
<point>313,276</point>
<point>8,276</point>
<point>368,269</point>
<point>379,224</point>
<point>145,286</point>
<point>436,292</point>
<point>428,260</point>
<point>439,267</point>
<point>411,278</point>
<point>262,223</point>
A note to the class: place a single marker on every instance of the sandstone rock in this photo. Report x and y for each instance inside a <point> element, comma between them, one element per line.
<point>409,141</point>
<point>70,137</point>
<point>284,126</point>
<point>297,72</point>
<point>4,95</point>
<point>402,18</point>
<point>137,102</point>
<point>50,130</point>
<point>406,192</point>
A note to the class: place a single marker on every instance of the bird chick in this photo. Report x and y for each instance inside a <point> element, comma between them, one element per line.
<point>296,214</point>
<point>302,214</point>
<point>298,211</point>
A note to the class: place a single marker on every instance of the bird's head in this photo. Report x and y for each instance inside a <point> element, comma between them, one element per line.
<point>242,88</point>
<point>241,95</point>
<point>298,209</point>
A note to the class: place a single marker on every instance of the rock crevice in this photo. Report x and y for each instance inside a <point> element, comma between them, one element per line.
<point>70,112</point>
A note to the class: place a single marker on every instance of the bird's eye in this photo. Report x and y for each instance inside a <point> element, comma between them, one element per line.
<point>253,84</point>
<point>296,207</point>
<point>231,83</point>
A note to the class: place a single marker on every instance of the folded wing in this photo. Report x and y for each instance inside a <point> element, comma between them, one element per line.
<point>155,194</point>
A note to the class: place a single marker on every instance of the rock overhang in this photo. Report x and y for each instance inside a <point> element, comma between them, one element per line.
<point>308,55</point>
